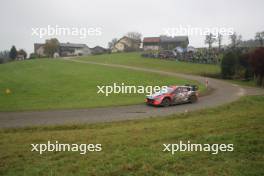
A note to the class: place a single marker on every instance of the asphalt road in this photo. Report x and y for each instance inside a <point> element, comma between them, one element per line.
<point>224,92</point>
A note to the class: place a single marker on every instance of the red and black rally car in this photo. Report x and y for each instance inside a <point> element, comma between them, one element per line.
<point>172,95</point>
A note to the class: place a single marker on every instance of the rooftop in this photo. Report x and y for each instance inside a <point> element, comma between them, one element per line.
<point>151,40</point>
<point>173,39</point>
<point>74,45</point>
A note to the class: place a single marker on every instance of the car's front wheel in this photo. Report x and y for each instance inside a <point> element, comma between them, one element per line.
<point>166,102</point>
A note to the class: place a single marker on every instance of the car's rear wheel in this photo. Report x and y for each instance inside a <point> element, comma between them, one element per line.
<point>166,102</point>
<point>193,99</point>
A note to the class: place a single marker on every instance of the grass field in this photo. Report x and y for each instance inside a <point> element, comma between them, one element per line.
<point>56,84</point>
<point>135,147</point>
<point>135,59</point>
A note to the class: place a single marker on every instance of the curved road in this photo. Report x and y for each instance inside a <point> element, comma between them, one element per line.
<point>224,92</point>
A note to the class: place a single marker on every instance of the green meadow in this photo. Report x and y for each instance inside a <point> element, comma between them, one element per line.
<point>136,147</point>
<point>43,84</point>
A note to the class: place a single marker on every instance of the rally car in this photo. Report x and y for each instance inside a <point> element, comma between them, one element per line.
<point>172,95</point>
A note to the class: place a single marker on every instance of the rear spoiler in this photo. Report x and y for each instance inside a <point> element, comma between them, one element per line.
<point>194,87</point>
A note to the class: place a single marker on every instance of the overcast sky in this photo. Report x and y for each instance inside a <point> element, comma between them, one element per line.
<point>116,17</point>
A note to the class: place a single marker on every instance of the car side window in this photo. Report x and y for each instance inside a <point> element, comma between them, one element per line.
<point>184,89</point>
<point>176,91</point>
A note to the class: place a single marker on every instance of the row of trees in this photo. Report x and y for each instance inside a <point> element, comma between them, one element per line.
<point>237,64</point>
<point>240,62</point>
<point>4,56</point>
<point>12,54</point>
<point>234,38</point>
<point>260,38</point>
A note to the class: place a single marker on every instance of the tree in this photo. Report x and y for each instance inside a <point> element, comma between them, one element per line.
<point>235,40</point>
<point>219,40</point>
<point>4,56</point>
<point>13,53</point>
<point>257,62</point>
<point>260,37</point>
<point>112,43</point>
<point>51,46</point>
<point>229,65</point>
<point>210,39</point>
<point>245,68</point>
<point>22,52</point>
<point>134,35</point>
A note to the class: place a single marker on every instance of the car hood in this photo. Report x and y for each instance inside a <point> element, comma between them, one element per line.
<point>155,95</point>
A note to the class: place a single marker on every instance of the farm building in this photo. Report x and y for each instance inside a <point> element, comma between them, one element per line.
<point>99,50</point>
<point>151,43</point>
<point>126,44</point>
<point>65,49</point>
<point>165,42</point>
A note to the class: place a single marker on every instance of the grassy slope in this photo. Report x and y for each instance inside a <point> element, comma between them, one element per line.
<point>134,59</point>
<point>135,147</point>
<point>53,84</point>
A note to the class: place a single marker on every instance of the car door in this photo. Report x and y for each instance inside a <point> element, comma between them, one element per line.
<point>184,94</point>
<point>176,96</point>
<point>180,95</point>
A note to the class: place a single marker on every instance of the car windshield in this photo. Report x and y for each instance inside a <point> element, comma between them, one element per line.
<point>166,90</point>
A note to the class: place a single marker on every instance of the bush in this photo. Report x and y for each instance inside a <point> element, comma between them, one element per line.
<point>229,65</point>
<point>245,67</point>
<point>4,57</point>
<point>32,56</point>
<point>257,63</point>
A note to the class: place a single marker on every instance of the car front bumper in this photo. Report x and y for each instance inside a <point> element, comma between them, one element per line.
<point>154,102</point>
